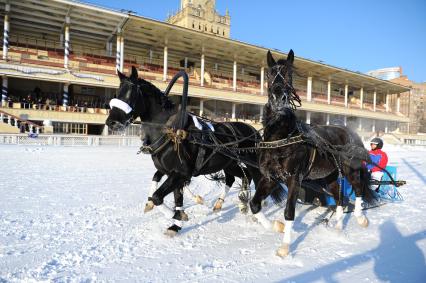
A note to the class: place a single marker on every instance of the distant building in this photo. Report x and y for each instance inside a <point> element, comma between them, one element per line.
<point>386,73</point>
<point>201,15</point>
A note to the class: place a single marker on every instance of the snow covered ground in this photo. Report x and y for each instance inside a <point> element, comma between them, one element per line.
<point>76,214</point>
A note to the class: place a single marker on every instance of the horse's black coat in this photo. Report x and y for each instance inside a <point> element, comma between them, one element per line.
<point>177,161</point>
<point>294,163</point>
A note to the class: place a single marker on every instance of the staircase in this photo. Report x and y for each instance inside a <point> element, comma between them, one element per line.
<point>13,124</point>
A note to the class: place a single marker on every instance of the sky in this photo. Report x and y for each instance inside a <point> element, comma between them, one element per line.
<point>359,35</point>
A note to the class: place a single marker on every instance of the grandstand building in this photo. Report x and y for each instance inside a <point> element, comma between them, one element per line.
<point>59,62</point>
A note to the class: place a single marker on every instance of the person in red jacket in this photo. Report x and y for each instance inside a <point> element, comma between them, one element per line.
<point>380,158</point>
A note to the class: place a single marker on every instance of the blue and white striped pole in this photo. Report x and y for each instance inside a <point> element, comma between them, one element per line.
<point>4,90</point>
<point>65,95</point>
<point>6,32</point>
<point>118,53</point>
<point>67,42</point>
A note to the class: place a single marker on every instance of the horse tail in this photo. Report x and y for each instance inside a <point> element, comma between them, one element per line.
<point>279,193</point>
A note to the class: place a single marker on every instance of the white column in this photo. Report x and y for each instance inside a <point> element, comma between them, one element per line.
<point>6,32</point>
<point>216,66</point>
<point>309,89</point>
<point>374,100</point>
<point>308,117</point>
<point>387,102</point>
<point>201,107</point>
<point>202,70</point>
<point>234,78</point>
<point>345,120</point>
<point>185,65</point>
<point>67,42</point>
<point>386,127</point>
<point>360,124</point>
<point>165,64</point>
<point>65,95</point>
<point>234,106</point>
<point>262,81</point>
<point>4,90</point>
<point>261,113</point>
<point>151,55</point>
<point>329,92</point>
<point>122,53</point>
<point>328,119</point>
<point>9,120</point>
<point>346,95</point>
<point>361,97</point>
<point>398,104</point>
<point>373,128</point>
<point>118,52</point>
<point>31,128</point>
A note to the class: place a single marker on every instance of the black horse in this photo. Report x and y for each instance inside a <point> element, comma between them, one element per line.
<point>179,153</point>
<point>294,152</point>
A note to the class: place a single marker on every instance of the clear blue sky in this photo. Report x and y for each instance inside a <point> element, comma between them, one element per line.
<point>359,35</point>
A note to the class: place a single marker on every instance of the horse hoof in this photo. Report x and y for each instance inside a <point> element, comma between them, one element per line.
<point>170,233</point>
<point>218,205</point>
<point>278,226</point>
<point>199,200</point>
<point>362,221</point>
<point>243,208</point>
<point>283,251</point>
<point>339,226</point>
<point>148,206</point>
<point>183,216</point>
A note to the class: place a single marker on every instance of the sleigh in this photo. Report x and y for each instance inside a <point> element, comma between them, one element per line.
<point>387,191</point>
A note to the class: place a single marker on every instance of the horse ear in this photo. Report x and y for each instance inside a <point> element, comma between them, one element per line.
<point>134,75</point>
<point>270,59</point>
<point>121,76</point>
<point>290,57</point>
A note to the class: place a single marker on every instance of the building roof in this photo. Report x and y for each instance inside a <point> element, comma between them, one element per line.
<point>99,25</point>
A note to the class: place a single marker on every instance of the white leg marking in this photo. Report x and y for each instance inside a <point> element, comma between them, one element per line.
<point>358,207</point>
<point>339,217</point>
<point>154,186</point>
<point>267,224</point>
<point>225,191</point>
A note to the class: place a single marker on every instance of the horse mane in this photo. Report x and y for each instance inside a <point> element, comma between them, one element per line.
<point>163,100</point>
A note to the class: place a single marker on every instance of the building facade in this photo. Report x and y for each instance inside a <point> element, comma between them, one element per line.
<point>59,70</point>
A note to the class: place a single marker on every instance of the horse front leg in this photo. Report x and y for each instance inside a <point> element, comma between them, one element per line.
<point>154,185</point>
<point>263,190</point>
<point>293,183</point>
<point>179,216</point>
<point>338,198</point>
<point>359,188</point>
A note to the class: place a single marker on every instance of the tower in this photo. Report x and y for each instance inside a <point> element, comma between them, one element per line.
<point>201,15</point>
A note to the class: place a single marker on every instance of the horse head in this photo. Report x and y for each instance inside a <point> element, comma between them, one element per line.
<point>281,93</point>
<point>136,97</point>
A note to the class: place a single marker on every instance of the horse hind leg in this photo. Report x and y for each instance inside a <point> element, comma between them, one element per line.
<point>229,180</point>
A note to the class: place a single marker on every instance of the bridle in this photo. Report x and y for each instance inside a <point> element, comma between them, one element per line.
<point>292,100</point>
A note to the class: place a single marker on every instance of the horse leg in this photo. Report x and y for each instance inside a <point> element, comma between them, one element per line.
<point>179,216</point>
<point>166,188</point>
<point>196,198</point>
<point>243,195</point>
<point>293,183</point>
<point>229,180</point>
<point>355,179</point>
<point>263,190</point>
<point>335,189</point>
<point>154,185</point>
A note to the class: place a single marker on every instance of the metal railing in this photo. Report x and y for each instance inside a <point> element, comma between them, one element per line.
<point>70,140</point>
